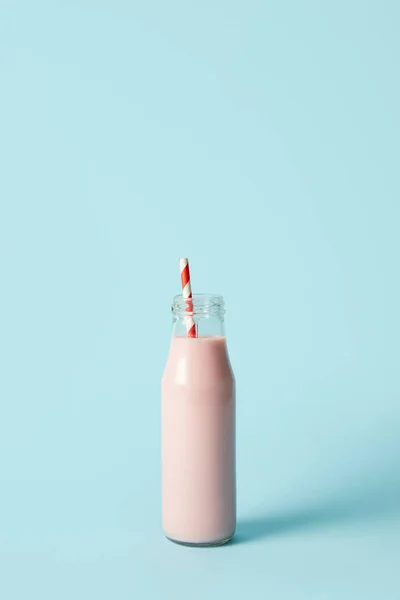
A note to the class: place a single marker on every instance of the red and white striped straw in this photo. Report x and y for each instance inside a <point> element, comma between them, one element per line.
<point>187,294</point>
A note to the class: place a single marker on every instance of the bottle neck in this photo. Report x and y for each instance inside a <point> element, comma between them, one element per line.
<point>205,310</point>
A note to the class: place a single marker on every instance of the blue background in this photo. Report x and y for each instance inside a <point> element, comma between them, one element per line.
<point>261,139</point>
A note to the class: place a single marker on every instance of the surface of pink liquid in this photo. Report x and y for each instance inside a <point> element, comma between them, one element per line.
<point>198,442</point>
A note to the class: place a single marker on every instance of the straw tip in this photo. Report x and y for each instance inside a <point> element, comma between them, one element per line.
<point>183,261</point>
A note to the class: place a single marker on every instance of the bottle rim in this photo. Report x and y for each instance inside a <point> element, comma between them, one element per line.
<point>206,303</point>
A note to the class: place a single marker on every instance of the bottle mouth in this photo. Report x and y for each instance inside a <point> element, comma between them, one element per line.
<point>199,304</point>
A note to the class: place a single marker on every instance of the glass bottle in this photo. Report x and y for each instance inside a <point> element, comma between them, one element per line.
<point>198,427</point>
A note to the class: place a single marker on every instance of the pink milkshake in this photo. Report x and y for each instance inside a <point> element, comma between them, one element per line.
<point>198,429</point>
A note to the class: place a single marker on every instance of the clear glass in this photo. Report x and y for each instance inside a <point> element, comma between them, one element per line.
<point>198,427</point>
<point>207,311</point>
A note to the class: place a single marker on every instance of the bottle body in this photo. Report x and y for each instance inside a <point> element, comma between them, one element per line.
<point>198,442</point>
